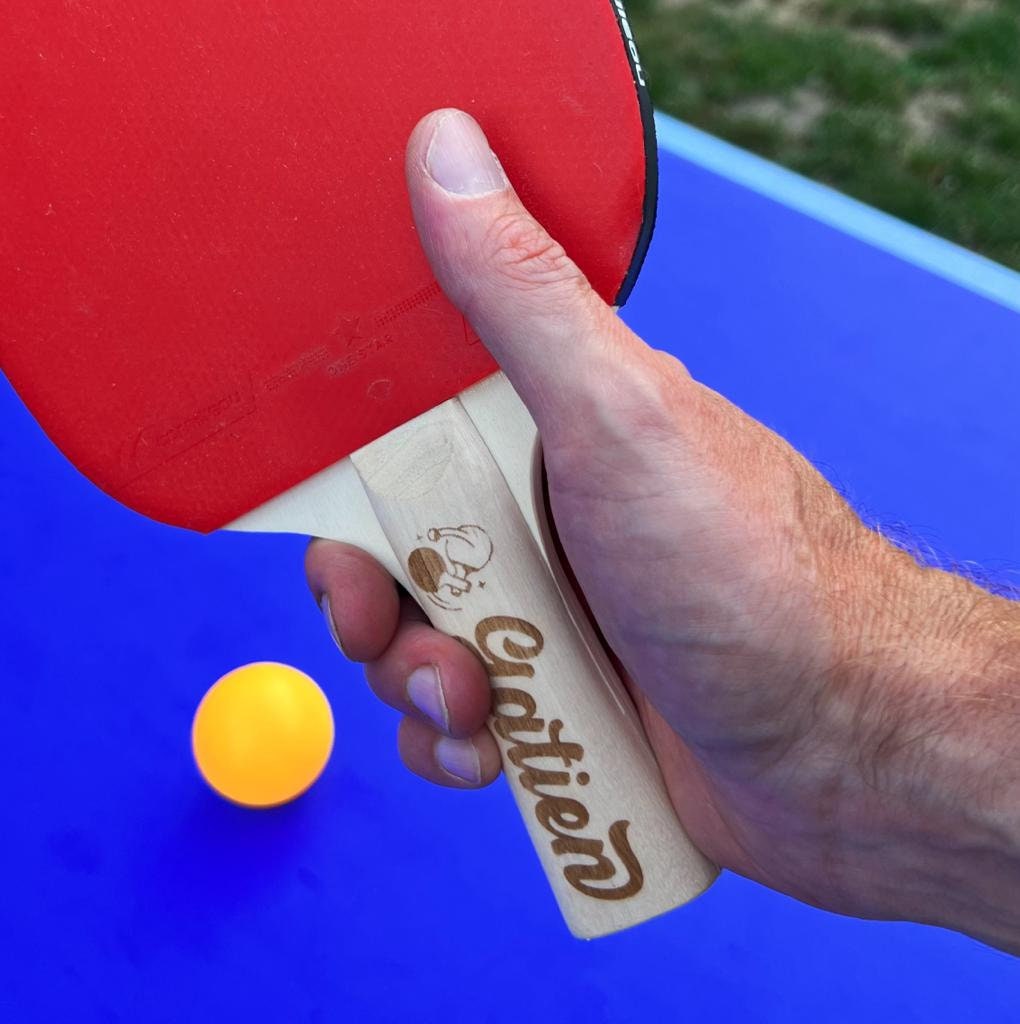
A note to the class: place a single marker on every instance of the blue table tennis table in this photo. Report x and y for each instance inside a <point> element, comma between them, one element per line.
<point>130,894</point>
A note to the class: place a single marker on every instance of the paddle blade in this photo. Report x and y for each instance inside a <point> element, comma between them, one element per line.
<point>212,285</point>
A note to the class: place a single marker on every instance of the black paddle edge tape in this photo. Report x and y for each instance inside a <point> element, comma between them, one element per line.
<point>651,155</point>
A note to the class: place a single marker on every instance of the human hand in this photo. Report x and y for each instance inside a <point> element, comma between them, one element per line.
<point>830,718</point>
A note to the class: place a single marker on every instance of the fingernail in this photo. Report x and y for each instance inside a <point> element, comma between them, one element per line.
<point>425,691</point>
<point>327,614</point>
<point>459,759</point>
<point>459,159</point>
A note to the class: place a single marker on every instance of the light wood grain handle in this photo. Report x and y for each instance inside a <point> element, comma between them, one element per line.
<point>573,749</point>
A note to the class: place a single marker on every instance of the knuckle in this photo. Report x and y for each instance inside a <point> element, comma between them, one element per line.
<point>522,252</point>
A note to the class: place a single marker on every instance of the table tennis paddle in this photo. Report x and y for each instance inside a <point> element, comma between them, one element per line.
<point>216,306</point>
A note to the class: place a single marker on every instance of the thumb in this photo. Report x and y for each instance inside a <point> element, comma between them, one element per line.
<point>527,300</point>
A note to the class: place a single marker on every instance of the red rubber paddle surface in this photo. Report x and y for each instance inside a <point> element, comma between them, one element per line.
<point>211,285</point>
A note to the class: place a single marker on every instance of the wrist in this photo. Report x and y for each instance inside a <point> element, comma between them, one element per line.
<point>935,667</point>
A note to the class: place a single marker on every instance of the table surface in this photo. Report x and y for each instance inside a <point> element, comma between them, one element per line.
<point>890,358</point>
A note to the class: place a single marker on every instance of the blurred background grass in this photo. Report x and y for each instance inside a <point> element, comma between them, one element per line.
<point>910,105</point>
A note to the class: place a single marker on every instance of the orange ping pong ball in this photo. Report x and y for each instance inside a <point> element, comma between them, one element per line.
<point>262,734</point>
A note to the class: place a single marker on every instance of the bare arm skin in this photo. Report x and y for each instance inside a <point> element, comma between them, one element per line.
<point>833,719</point>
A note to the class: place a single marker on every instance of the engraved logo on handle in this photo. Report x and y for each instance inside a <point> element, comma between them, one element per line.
<point>443,571</point>
<point>548,766</point>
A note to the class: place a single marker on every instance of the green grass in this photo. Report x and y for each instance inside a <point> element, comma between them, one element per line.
<point>910,105</point>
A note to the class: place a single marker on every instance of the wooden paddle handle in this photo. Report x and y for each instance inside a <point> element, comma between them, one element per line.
<point>572,745</point>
